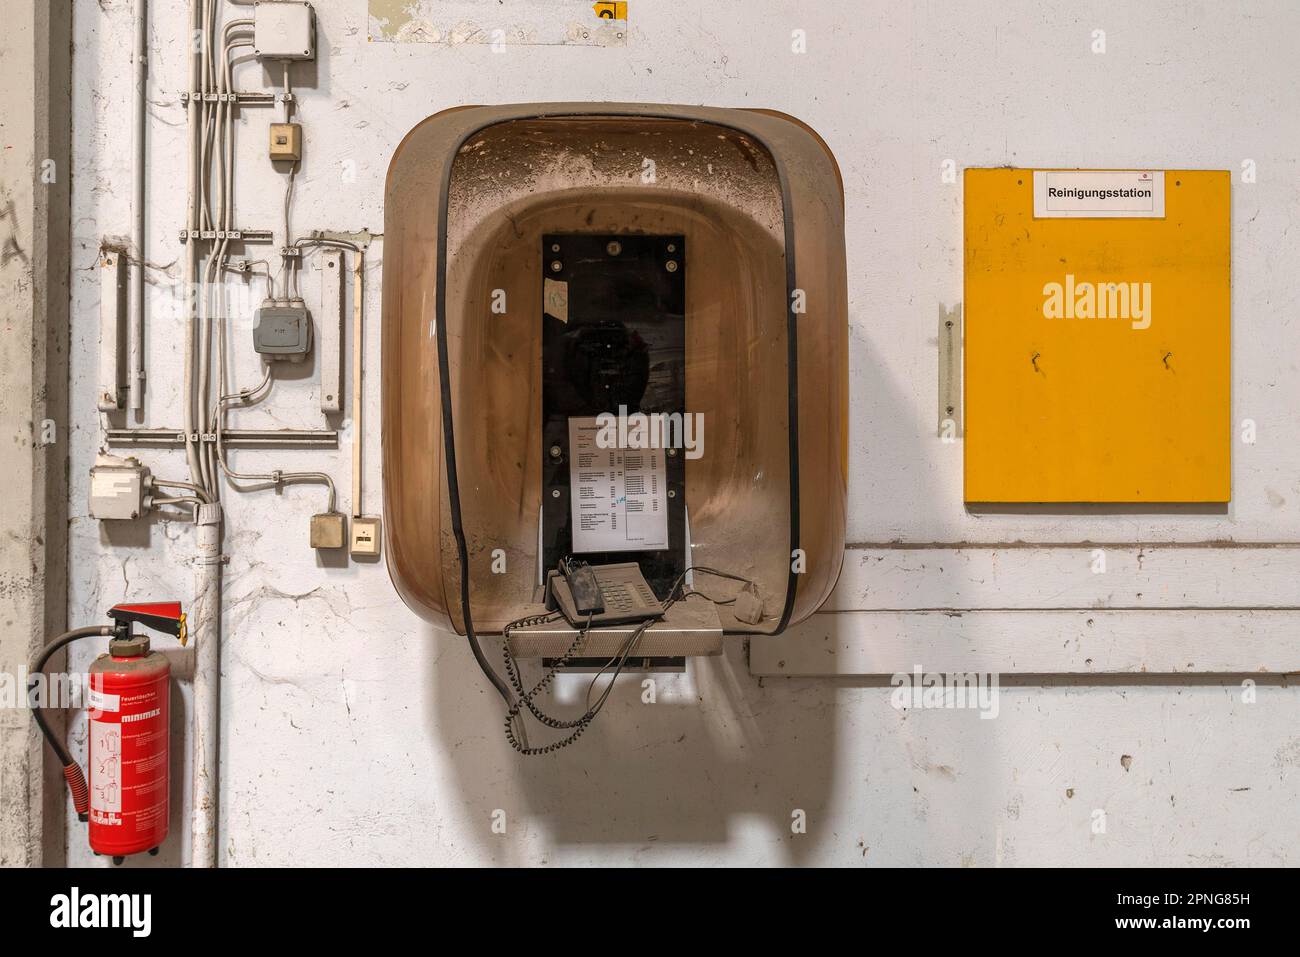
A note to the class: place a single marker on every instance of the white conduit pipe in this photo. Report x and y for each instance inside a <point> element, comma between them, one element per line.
<point>206,603</point>
<point>189,294</point>
<point>135,331</point>
<point>206,732</point>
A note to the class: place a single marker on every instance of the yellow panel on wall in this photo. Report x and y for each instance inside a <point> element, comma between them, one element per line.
<point>1097,363</point>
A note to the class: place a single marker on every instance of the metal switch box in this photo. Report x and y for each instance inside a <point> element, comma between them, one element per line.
<point>282,332</point>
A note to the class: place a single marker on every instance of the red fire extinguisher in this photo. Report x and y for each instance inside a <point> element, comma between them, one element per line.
<point>126,801</point>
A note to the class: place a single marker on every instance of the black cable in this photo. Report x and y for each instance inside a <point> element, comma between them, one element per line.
<point>578,725</point>
<point>38,669</point>
<point>512,671</point>
<point>680,580</point>
<point>624,652</point>
<point>525,698</point>
<point>453,487</point>
<point>583,721</point>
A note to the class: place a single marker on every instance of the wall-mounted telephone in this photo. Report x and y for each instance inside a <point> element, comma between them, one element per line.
<point>609,594</point>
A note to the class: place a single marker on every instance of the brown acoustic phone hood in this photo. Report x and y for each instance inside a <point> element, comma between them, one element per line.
<point>541,258</point>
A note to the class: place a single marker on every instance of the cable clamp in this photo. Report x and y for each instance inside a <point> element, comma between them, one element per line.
<point>209,513</point>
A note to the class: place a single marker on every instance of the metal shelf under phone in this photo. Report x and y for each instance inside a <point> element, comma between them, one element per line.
<point>689,628</point>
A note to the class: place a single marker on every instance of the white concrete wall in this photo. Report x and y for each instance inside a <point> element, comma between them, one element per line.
<point>354,733</point>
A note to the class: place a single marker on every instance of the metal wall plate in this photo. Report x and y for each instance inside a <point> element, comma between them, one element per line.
<point>950,371</point>
<point>613,338</point>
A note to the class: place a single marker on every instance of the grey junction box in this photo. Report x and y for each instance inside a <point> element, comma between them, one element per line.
<point>282,332</point>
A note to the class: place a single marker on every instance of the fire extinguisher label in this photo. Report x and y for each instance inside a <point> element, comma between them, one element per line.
<point>106,772</point>
<point>128,758</point>
<point>101,701</point>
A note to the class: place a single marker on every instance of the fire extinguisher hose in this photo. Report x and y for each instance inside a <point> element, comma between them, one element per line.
<point>71,769</point>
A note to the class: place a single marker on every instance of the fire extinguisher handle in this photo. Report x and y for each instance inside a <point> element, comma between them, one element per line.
<point>164,616</point>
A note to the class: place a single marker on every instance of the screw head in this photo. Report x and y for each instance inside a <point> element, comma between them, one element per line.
<point>671,265</point>
<point>556,265</point>
<point>614,247</point>
<point>555,493</point>
<point>555,451</point>
<point>672,493</point>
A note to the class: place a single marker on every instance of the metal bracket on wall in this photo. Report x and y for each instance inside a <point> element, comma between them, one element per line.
<point>330,322</point>
<point>112,331</point>
<point>362,237</point>
<point>949,371</point>
<point>237,235</point>
<point>239,97</point>
<point>235,438</point>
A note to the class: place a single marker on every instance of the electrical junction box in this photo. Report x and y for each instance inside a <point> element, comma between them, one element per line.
<point>286,141</point>
<point>1097,356</point>
<point>117,488</point>
<point>284,30</point>
<point>282,332</point>
<point>327,530</point>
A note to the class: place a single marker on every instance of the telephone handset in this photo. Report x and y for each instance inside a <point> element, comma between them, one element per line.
<point>610,594</point>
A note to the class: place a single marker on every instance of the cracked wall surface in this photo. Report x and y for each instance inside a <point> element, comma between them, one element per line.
<point>34,178</point>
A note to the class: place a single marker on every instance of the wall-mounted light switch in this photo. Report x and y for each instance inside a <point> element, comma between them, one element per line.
<point>286,141</point>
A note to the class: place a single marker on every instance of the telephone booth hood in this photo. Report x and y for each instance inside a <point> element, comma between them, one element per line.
<point>754,199</point>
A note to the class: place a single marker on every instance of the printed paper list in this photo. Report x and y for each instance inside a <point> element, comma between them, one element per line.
<point>618,496</point>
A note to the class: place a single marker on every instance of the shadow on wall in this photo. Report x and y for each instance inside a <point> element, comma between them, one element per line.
<point>679,771</point>
<point>721,763</point>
